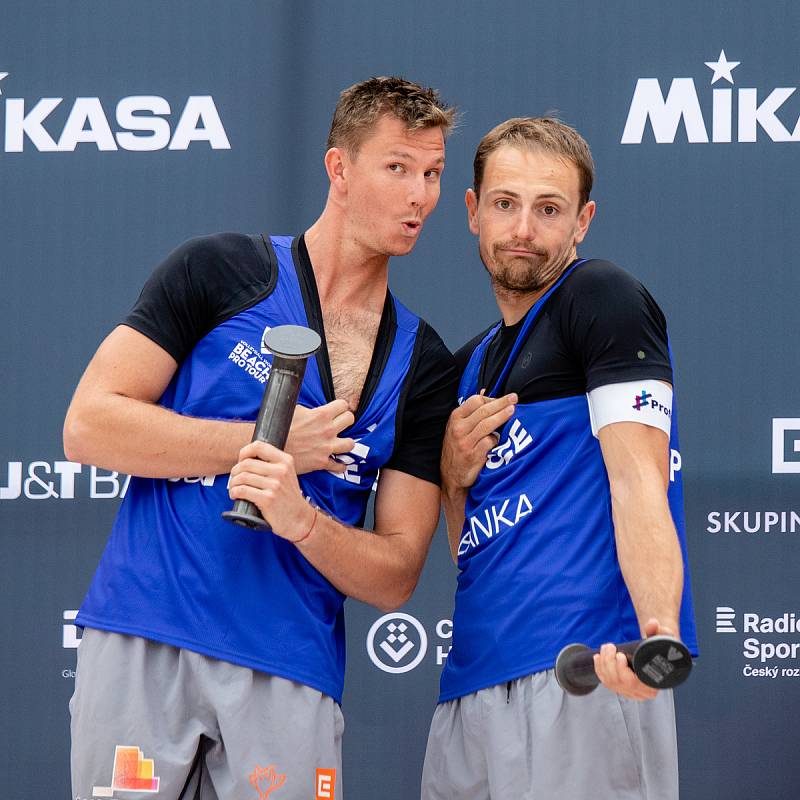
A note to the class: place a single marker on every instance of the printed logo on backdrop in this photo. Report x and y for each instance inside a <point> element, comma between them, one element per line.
<point>773,653</point>
<point>741,114</point>
<point>725,619</point>
<point>398,642</point>
<point>785,459</point>
<point>753,522</point>
<point>142,123</point>
<point>70,640</point>
<point>59,480</point>
<point>786,445</point>
<point>68,480</point>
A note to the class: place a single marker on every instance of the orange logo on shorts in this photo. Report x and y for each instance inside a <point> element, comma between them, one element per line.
<point>326,784</point>
<point>265,780</point>
<point>132,773</point>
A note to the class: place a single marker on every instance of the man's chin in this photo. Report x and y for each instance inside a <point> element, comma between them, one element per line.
<point>515,287</point>
<point>403,248</point>
<point>516,280</point>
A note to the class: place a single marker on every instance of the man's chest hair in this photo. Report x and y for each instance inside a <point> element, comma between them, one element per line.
<point>350,336</point>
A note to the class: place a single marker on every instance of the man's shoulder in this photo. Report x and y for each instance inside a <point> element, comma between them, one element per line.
<point>601,289</point>
<point>433,350</point>
<point>225,247</point>
<point>202,282</point>
<point>598,274</point>
<point>220,264</point>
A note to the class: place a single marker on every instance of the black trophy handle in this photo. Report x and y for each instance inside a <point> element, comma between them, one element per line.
<point>291,346</point>
<point>661,662</point>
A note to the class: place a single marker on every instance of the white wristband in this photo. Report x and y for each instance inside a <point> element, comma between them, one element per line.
<point>648,402</point>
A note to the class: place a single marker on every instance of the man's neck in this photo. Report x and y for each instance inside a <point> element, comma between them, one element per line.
<point>347,275</point>
<point>515,305</point>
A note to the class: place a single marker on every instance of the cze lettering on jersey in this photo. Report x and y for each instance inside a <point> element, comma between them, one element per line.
<point>518,439</point>
<point>493,521</point>
<point>354,460</point>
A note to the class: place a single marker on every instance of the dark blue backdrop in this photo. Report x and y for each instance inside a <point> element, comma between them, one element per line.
<point>707,225</point>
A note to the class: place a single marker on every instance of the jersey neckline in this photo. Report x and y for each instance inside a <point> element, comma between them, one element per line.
<point>313,308</point>
<point>523,329</point>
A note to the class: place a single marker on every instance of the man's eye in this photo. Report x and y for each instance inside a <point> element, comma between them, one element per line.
<point>503,205</point>
<point>395,167</point>
<point>550,211</point>
<point>432,173</point>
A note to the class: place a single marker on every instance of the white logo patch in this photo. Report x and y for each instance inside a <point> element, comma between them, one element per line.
<point>249,359</point>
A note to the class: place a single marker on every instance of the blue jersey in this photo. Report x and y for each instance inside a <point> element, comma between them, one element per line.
<point>175,571</point>
<point>537,560</point>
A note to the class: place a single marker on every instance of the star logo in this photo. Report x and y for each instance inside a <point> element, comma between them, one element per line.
<point>3,75</point>
<point>722,68</point>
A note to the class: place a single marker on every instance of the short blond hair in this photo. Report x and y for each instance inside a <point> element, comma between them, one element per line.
<point>538,133</point>
<point>360,106</point>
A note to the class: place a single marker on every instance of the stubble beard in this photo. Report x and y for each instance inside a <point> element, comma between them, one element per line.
<point>523,275</point>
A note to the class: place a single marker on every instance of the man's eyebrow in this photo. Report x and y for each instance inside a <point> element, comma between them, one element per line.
<point>516,195</point>
<point>505,192</point>
<point>402,154</point>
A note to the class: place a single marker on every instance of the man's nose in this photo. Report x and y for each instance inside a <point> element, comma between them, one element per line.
<point>418,194</point>
<point>524,227</point>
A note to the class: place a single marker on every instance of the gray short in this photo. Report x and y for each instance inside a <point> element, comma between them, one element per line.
<point>529,740</point>
<point>149,717</point>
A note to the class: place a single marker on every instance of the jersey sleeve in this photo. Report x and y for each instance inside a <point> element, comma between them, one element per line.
<point>431,390</point>
<point>615,327</point>
<point>199,284</point>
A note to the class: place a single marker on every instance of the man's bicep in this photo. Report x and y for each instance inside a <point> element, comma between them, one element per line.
<point>129,364</point>
<point>408,506</point>
<point>634,452</point>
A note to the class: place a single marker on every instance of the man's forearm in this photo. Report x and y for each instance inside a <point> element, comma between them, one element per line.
<point>453,503</point>
<point>649,555</point>
<point>145,439</point>
<point>378,568</point>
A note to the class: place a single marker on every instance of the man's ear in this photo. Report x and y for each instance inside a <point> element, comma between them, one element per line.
<point>471,201</point>
<point>335,163</point>
<point>585,217</point>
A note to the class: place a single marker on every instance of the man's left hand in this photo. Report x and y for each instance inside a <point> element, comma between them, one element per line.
<point>266,477</point>
<point>614,672</point>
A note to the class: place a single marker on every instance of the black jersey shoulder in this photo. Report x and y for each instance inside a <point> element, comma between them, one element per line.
<point>612,325</point>
<point>602,288</point>
<point>199,285</point>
